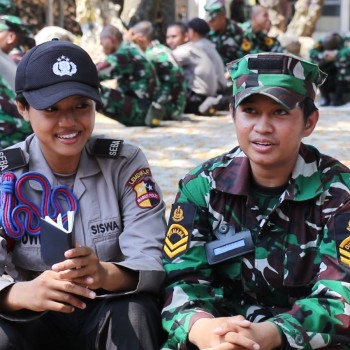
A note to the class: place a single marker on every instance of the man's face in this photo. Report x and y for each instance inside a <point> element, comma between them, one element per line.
<point>109,44</point>
<point>218,23</point>
<point>261,20</point>
<point>175,37</point>
<point>270,135</point>
<point>9,40</point>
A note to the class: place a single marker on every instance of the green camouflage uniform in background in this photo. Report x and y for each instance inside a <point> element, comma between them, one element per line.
<point>228,43</point>
<point>297,272</point>
<point>137,85</point>
<point>13,128</point>
<point>338,80</point>
<point>172,92</point>
<point>255,42</point>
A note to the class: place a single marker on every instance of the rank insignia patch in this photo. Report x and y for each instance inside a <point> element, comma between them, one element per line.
<point>178,237</point>
<point>176,241</point>
<point>344,251</point>
<point>342,229</point>
<point>146,194</point>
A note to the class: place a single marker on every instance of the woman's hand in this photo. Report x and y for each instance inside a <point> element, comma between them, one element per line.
<point>82,267</point>
<point>47,292</point>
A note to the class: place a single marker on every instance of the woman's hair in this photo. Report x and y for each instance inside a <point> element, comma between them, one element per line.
<point>22,100</point>
<point>307,106</point>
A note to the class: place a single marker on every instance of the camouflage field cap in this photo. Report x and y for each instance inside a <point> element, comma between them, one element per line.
<point>213,7</point>
<point>286,78</point>
<point>12,23</point>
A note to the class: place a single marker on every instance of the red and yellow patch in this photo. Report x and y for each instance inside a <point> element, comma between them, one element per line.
<point>146,194</point>
<point>145,189</point>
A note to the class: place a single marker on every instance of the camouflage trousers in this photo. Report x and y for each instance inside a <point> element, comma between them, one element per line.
<point>127,110</point>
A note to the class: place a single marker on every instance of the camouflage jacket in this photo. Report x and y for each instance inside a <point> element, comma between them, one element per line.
<point>13,128</point>
<point>342,61</point>
<point>228,44</point>
<point>172,92</point>
<point>134,73</point>
<point>256,42</point>
<point>298,274</point>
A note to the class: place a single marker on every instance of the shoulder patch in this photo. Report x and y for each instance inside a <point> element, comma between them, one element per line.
<point>107,148</point>
<point>342,229</point>
<point>178,236</point>
<point>139,175</point>
<point>12,158</point>
<point>145,188</point>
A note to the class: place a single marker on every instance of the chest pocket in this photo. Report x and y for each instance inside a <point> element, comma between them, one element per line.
<point>105,237</point>
<point>301,265</point>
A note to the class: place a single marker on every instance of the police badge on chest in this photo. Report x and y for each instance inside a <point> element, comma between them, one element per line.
<point>228,244</point>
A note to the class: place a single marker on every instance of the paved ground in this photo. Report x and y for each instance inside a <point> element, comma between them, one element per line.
<point>178,146</point>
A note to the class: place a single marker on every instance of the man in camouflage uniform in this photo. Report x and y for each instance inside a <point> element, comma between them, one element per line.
<point>13,128</point>
<point>332,54</point>
<point>255,31</point>
<point>137,81</point>
<point>224,33</point>
<point>258,242</point>
<point>172,92</point>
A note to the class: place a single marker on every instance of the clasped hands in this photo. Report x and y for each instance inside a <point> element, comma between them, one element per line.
<point>228,333</point>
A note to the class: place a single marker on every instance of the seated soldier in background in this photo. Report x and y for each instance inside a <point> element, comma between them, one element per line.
<point>172,92</point>
<point>256,38</point>
<point>226,34</point>
<point>136,79</point>
<point>332,54</point>
<point>199,70</point>
<point>197,32</point>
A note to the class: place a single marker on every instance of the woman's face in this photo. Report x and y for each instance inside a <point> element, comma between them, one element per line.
<point>63,130</point>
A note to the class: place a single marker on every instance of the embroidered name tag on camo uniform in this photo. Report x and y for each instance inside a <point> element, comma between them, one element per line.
<point>145,188</point>
<point>342,229</point>
<point>178,237</point>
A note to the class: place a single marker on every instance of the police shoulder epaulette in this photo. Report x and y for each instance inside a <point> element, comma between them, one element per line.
<point>11,158</point>
<point>107,148</point>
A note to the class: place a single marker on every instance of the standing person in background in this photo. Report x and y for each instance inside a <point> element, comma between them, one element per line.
<point>172,91</point>
<point>332,54</point>
<point>202,83</point>
<point>256,38</point>
<point>257,248</point>
<point>227,35</point>
<point>137,83</point>
<point>13,128</point>
<point>12,33</point>
<point>99,289</point>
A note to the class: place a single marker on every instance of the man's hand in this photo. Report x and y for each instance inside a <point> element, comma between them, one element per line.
<point>229,333</point>
<point>222,333</point>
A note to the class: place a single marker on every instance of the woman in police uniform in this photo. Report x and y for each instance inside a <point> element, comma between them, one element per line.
<point>101,293</point>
